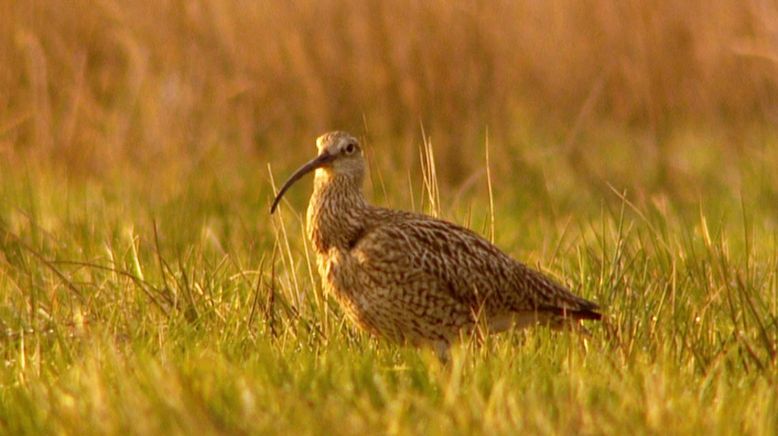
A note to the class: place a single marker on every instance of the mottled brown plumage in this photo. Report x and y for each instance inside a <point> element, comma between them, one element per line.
<point>412,278</point>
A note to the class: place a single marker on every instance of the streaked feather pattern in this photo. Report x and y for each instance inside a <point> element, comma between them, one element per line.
<point>412,278</point>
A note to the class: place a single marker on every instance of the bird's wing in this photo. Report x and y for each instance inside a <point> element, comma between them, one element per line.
<point>473,271</point>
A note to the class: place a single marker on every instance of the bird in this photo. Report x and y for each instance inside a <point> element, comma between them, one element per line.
<point>411,278</point>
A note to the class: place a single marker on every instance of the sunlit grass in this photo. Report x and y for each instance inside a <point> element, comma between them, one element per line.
<point>198,312</point>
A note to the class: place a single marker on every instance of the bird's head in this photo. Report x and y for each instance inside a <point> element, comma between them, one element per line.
<point>339,155</point>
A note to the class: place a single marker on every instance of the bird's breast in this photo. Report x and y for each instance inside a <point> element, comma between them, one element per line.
<point>337,275</point>
<point>343,279</point>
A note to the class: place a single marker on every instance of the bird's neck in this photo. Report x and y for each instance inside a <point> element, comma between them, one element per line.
<point>336,212</point>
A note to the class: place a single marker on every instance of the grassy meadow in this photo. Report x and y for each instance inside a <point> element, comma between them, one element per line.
<point>627,148</point>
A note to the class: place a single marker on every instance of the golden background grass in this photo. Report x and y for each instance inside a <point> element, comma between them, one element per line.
<point>94,83</point>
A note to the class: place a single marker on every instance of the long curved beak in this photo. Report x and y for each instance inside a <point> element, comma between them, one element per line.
<point>318,162</point>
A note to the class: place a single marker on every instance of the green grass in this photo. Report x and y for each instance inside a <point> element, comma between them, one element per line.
<point>169,301</point>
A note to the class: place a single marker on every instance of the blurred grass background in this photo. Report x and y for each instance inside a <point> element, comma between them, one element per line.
<point>98,84</point>
<point>632,149</point>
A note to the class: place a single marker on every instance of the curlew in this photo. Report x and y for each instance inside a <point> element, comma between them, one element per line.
<point>412,278</point>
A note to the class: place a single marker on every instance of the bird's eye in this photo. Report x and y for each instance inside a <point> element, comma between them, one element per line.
<point>350,148</point>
